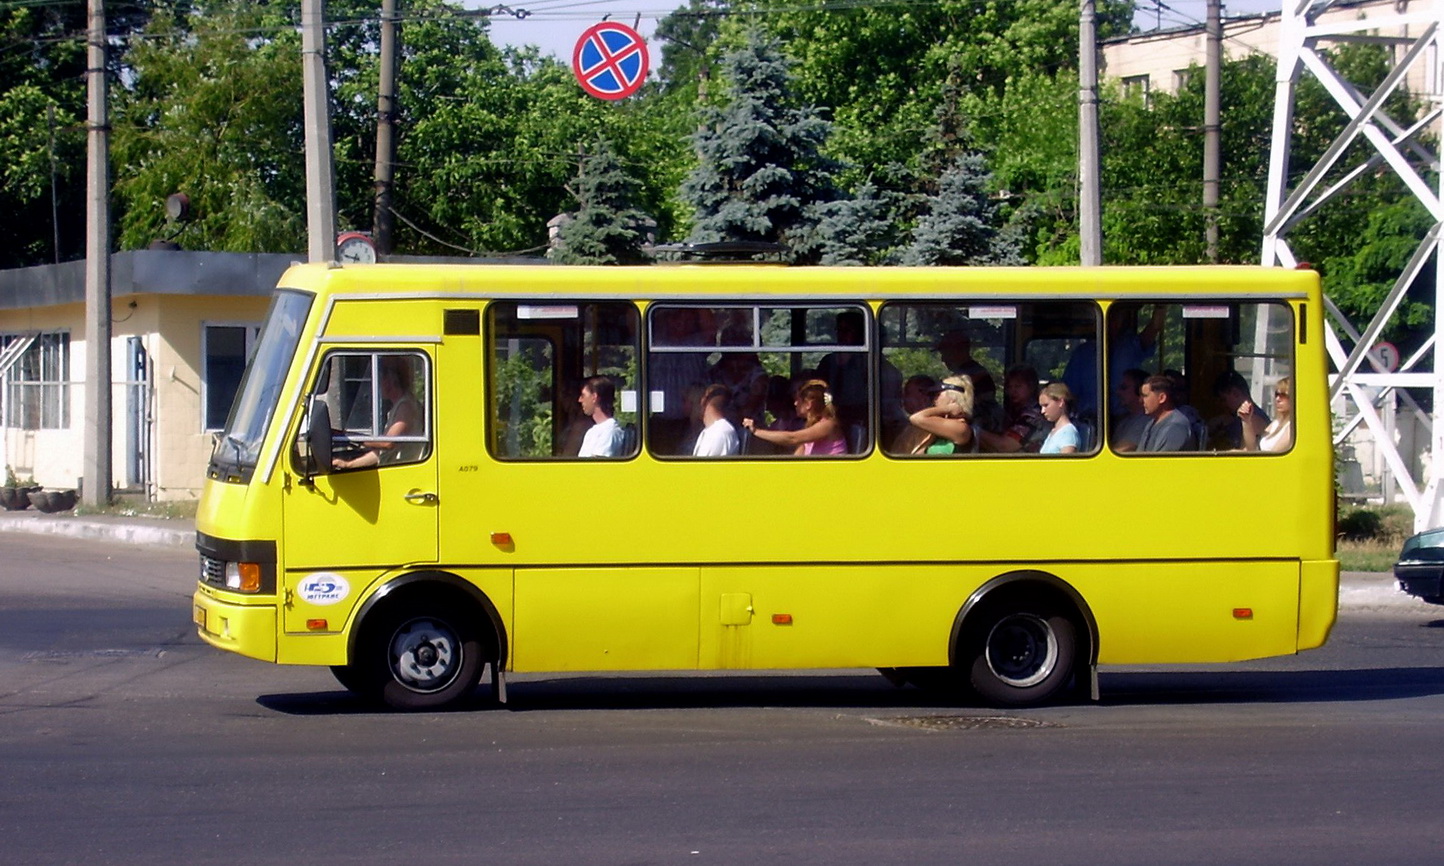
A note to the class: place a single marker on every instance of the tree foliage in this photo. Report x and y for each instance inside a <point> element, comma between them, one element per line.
<point>960,225</point>
<point>42,138</point>
<point>607,229</point>
<point>213,110</point>
<point>760,170</point>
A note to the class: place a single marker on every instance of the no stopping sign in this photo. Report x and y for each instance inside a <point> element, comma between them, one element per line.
<point>610,61</point>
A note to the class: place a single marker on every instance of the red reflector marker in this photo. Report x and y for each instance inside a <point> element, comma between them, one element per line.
<point>1243,613</point>
<point>782,619</point>
<point>501,539</point>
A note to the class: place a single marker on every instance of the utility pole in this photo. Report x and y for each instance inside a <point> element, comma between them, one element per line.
<point>1090,199</point>
<point>95,474</point>
<point>320,183</point>
<point>1213,59</point>
<point>383,224</point>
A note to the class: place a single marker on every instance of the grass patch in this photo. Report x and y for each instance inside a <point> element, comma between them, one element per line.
<point>158,510</point>
<point>1367,555</point>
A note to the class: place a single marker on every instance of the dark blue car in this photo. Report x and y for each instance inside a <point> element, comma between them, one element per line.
<point>1420,569</point>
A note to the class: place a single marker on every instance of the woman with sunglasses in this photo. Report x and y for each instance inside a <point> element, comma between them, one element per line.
<point>1278,436</point>
<point>948,423</point>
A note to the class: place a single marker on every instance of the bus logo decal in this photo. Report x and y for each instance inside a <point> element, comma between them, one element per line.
<point>324,588</point>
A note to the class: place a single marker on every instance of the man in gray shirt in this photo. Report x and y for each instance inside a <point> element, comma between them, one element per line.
<point>1169,429</point>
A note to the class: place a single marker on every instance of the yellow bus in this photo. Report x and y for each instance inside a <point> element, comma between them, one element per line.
<point>435,471</point>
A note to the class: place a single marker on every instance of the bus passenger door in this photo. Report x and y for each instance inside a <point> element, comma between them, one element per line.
<point>375,508</point>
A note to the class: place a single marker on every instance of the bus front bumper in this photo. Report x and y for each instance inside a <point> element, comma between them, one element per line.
<point>248,630</point>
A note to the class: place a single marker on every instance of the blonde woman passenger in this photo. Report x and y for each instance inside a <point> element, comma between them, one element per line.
<point>820,434</point>
<point>948,423</point>
<point>1055,401</point>
<point>1278,436</point>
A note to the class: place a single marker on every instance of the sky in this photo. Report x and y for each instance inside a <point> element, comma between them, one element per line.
<point>555,25</point>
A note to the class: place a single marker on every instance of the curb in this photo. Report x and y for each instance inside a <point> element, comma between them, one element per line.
<point>126,530</point>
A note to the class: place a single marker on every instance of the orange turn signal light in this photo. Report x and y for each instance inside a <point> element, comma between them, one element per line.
<point>501,539</point>
<point>316,624</point>
<point>782,619</point>
<point>250,576</point>
<point>1243,613</point>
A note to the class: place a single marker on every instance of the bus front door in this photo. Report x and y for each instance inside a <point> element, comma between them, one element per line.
<point>375,511</point>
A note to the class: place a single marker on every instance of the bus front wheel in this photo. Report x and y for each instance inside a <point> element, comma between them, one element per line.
<point>1019,653</point>
<point>420,658</point>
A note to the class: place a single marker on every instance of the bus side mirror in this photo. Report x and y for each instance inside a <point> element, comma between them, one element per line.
<point>318,437</point>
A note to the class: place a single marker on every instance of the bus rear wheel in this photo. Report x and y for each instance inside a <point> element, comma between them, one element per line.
<point>1019,653</point>
<point>419,658</point>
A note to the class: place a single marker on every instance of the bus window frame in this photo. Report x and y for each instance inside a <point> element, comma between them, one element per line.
<point>1015,347</point>
<point>758,346</point>
<point>300,464</point>
<point>559,400</point>
<point>1234,303</point>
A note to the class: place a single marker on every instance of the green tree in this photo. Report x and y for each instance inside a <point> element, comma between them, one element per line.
<point>960,225</point>
<point>607,229</point>
<point>42,139</point>
<point>213,110</point>
<point>761,170</point>
<point>860,230</point>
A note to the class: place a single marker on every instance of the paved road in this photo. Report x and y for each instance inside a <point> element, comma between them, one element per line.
<point>125,740</point>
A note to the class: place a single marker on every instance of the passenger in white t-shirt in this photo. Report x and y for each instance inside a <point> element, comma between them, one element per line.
<point>718,437</point>
<point>604,438</point>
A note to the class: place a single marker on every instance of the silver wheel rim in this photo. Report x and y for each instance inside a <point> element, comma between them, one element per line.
<point>1021,650</point>
<point>425,655</point>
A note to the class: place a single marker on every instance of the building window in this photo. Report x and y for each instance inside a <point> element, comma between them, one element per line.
<point>224,350</point>
<point>1181,78</point>
<point>37,382</point>
<point>1136,87</point>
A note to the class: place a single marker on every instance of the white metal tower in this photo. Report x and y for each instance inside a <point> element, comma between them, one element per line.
<point>1405,146</point>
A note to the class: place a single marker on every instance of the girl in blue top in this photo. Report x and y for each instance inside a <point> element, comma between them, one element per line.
<point>1056,401</point>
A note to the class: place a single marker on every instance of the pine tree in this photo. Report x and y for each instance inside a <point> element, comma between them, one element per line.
<point>855,231</point>
<point>760,172</point>
<point>960,226</point>
<point>607,229</point>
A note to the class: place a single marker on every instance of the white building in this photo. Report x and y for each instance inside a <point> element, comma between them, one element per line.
<point>1160,60</point>
<point>182,325</point>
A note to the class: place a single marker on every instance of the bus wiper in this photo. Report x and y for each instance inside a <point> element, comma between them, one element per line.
<point>239,445</point>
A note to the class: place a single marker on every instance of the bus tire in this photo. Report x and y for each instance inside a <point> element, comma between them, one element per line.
<point>421,657</point>
<point>1019,653</point>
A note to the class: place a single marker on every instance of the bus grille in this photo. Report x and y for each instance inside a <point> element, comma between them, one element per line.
<point>213,571</point>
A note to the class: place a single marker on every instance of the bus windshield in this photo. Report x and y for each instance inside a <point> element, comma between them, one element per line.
<point>239,444</point>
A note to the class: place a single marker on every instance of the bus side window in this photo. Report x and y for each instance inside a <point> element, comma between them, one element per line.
<point>556,371</point>
<point>379,404</point>
<point>1200,377</point>
<point>984,363</point>
<point>741,366</point>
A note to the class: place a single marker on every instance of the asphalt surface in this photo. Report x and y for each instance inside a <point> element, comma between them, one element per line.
<point>1357,590</point>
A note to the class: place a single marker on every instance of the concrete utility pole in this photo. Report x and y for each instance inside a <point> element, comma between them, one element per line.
<point>95,474</point>
<point>1090,198</point>
<point>1213,59</point>
<point>383,223</point>
<point>320,183</point>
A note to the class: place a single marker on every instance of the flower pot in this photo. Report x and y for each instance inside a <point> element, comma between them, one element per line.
<point>50,501</point>
<point>16,498</point>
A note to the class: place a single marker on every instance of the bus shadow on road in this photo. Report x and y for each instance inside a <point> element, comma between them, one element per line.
<point>1269,687</point>
<point>858,691</point>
